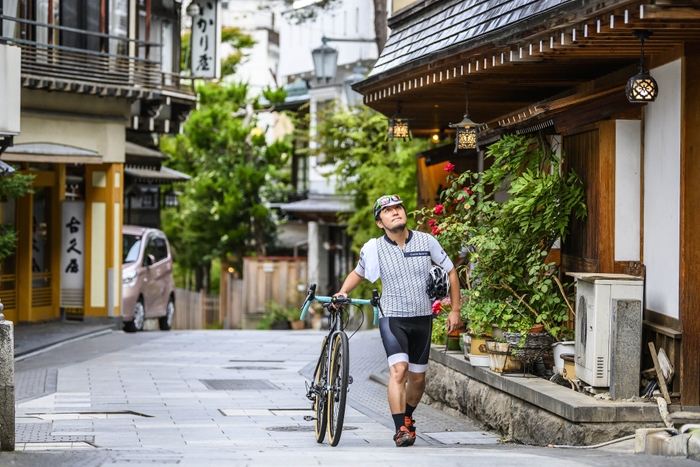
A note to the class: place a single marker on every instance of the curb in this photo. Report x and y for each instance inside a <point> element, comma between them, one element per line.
<point>48,347</point>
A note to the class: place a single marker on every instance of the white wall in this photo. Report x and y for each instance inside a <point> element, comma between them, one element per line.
<point>351,19</point>
<point>628,139</point>
<point>662,148</point>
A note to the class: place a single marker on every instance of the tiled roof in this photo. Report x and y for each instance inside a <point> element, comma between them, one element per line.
<point>444,24</point>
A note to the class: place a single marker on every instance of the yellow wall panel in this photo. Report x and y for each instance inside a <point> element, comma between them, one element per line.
<point>98,269</point>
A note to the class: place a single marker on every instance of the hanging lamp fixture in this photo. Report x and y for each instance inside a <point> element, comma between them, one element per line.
<point>466,137</point>
<point>398,125</point>
<point>642,88</point>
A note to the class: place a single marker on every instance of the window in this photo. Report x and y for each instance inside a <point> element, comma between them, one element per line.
<point>161,249</point>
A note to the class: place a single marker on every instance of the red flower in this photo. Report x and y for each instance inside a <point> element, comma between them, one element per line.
<point>438,209</point>
<point>431,222</point>
<point>436,230</point>
<point>449,167</point>
<point>437,307</point>
<point>466,188</point>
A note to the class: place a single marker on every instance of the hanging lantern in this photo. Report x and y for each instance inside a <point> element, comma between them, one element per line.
<point>642,88</point>
<point>465,138</point>
<point>398,125</point>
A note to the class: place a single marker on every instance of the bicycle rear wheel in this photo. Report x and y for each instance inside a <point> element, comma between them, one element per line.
<point>338,386</point>
<point>321,394</point>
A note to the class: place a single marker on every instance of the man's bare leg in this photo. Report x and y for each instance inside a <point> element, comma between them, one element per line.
<point>396,390</point>
<point>414,388</point>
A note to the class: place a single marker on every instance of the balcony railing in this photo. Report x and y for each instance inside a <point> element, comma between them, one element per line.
<point>93,62</point>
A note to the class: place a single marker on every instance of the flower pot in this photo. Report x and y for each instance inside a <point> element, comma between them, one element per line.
<point>500,358</point>
<point>560,348</point>
<point>536,329</point>
<point>569,366</point>
<point>476,346</point>
<point>453,339</point>
<point>297,324</point>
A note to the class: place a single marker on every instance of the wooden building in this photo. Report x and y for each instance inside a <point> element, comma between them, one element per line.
<point>93,74</point>
<point>561,67</point>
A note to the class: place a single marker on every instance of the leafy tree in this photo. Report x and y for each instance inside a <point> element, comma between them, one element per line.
<point>12,187</point>
<point>222,211</point>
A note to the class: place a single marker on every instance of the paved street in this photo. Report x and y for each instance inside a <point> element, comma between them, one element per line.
<point>236,398</point>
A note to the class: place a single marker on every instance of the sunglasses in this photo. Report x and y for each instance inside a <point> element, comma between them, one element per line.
<point>384,200</point>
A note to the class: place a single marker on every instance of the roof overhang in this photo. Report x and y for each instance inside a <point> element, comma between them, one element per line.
<point>573,48</point>
<point>323,209</point>
<point>147,176</point>
<point>50,153</point>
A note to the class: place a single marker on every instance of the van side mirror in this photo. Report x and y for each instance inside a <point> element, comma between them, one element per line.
<point>150,259</point>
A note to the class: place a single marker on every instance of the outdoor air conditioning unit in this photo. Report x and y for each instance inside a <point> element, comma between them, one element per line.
<point>594,321</point>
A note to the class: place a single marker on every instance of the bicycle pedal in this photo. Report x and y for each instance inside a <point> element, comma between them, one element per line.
<point>309,418</point>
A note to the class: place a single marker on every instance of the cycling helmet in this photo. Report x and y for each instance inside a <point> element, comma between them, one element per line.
<point>438,283</point>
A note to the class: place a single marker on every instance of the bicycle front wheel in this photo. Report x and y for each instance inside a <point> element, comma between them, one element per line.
<point>320,402</point>
<point>338,386</point>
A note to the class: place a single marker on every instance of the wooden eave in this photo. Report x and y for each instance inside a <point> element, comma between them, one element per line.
<point>542,63</point>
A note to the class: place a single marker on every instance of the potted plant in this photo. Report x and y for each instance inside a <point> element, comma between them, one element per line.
<point>505,242</point>
<point>277,316</point>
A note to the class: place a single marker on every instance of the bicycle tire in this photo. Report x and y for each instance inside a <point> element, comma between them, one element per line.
<point>338,386</point>
<point>320,401</point>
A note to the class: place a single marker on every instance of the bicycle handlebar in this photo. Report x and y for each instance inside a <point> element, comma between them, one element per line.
<point>310,297</point>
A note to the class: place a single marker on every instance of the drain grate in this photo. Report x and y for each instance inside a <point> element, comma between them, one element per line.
<point>303,428</point>
<point>238,384</point>
<point>257,368</point>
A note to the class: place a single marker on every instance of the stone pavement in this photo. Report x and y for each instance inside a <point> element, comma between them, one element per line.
<point>234,398</point>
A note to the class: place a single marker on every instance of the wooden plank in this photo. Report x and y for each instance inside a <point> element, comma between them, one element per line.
<point>660,378</point>
<point>606,197</point>
<point>670,12</point>
<point>690,226</point>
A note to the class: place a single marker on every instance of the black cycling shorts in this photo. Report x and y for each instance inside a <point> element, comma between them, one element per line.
<point>407,340</point>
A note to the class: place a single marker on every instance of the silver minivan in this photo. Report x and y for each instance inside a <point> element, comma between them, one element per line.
<point>148,289</point>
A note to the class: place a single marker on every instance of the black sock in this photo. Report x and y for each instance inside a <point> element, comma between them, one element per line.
<point>398,420</point>
<point>409,410</point>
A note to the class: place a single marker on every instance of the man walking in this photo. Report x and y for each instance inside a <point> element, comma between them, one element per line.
<point>403,259</point>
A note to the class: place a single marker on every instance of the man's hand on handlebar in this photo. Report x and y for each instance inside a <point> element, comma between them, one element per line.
<point>339,299</point>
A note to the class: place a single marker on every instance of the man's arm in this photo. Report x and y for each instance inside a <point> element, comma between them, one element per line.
<point>352,281</point>
<point>454,321</point>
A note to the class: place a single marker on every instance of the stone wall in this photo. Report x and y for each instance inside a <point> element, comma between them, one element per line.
<point>514,418</point>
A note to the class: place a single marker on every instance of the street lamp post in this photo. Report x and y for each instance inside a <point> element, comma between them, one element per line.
<point>325,60</point>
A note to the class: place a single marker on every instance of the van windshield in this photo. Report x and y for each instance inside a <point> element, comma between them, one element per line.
<point>130,248</point>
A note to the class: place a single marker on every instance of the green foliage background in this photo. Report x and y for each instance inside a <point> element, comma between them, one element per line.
<point>366,166</point>
<point>12,187</point>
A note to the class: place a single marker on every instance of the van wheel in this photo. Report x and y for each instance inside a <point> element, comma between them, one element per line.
<point>139,318</point>
<point>166,322</point>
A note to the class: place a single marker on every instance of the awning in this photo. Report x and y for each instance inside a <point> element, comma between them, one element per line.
<point>133,149</point>
<point>52,153</point>
<point>163,176</point>
<point>319,208</point>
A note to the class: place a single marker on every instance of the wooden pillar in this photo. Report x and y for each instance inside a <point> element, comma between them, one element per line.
<point>59,194</point>
<point>23,253</point>
<point>104,191</point>
<point>606,200</point>
<point>690,226</point>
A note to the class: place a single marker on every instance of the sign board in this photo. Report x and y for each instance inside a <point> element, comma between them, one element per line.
<point>72,253</point>
<point>10,89</point>
<point>205,61</point>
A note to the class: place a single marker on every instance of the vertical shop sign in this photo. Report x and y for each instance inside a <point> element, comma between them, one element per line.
<point>206,40</point>
<point>72,253</point>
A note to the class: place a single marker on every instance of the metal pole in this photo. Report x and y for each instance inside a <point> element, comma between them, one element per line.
<point>7,384</point>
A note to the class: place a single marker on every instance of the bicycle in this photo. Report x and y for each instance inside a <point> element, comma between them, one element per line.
<point>329,387</point>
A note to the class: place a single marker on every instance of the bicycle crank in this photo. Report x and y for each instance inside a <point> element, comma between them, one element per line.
<point>309,418</point>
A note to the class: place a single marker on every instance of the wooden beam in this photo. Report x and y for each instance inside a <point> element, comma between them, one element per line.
<point>606,200</point>
<point>690,226</point>
<point>670,12</point>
